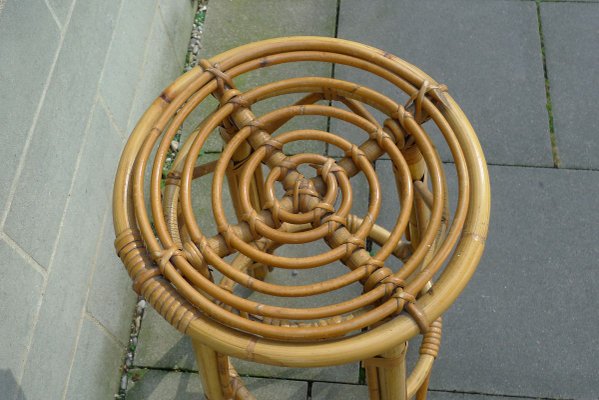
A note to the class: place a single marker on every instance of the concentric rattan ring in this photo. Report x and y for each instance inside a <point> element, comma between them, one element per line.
<point>171,264</point>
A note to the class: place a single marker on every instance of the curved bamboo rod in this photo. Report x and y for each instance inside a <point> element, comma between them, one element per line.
<point>170,266</point>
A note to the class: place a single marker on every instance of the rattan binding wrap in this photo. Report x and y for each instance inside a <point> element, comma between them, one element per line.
<point>171,264</point>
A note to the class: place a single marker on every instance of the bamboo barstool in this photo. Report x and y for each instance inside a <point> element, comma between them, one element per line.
<point>420,267</point>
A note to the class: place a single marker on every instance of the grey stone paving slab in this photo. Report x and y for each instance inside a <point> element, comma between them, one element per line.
<point>95,370</point>
<point>507,334</point>
<point>439,395</point>
<point>311,17</point>
<point>231,24</point>
<point>499,85</point>
<point>572,53</point>
<point>348,373</point>
<point>331,391</point>
<point>214,142</point>
<point>125,58</point>
<point>9,384</point>
<point>201,200</point>
<point>20,290</point>
<point>275,389</point>
<point>61,9</point>
<point>162,346</point>
<point>178,19</point>
<point>70,272</point>
<point>22,76</point>
<point>154,385</point>
<point>389,200</point>
<point>161,66</point>
<point>56,142</point>
<point>111,299</point>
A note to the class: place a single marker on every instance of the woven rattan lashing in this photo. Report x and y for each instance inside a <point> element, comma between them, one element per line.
<point>171,260</point>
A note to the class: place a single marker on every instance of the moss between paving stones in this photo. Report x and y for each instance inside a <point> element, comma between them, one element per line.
<point>191,60</point>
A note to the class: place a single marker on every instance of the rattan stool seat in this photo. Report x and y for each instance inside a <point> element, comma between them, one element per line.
<point>420,265</point>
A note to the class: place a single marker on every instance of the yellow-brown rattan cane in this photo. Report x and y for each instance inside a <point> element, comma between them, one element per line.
<point>422,264</point>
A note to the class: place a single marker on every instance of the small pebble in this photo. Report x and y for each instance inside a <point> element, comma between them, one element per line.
<point>294,272</point>
<point>175,145</point>
<point>140,307</point>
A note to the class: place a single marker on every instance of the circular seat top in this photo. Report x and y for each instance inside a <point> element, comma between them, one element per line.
<point>408,271</point>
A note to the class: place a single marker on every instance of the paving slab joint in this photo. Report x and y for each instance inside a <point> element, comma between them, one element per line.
<point>499,396</point>
<point>337,13</point>
<point>191,60</point>
<point>129,358</point>
<point>50,9</point>
<point>552,137</point>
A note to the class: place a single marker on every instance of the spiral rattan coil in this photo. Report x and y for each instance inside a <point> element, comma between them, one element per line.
<point>171,260</point>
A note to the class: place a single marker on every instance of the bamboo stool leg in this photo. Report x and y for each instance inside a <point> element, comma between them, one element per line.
<point>372,380</point>
<point>392,378</point>
<point>423,391</point>
<point>208,366</point>
<point>386,375</point>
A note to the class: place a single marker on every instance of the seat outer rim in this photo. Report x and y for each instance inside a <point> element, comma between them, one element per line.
<point>452,280</point>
